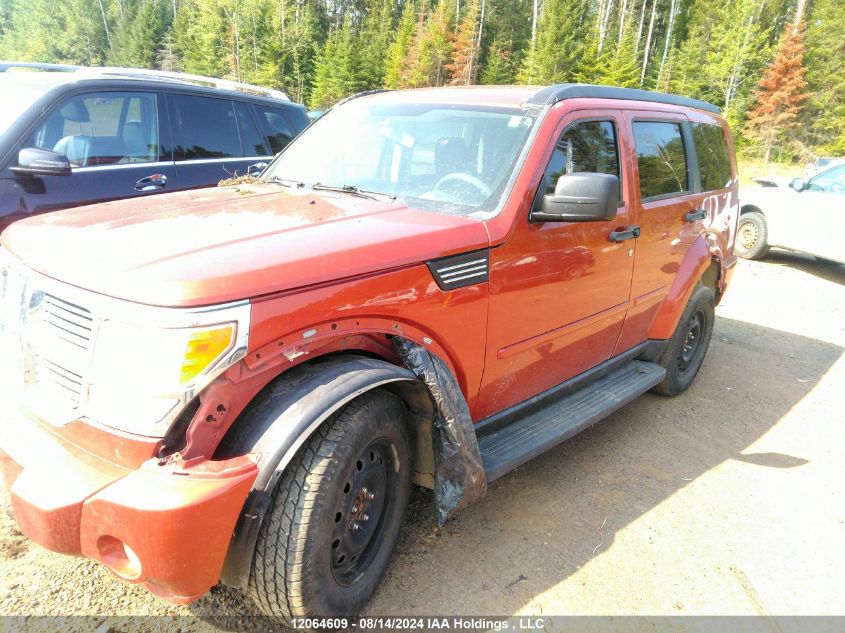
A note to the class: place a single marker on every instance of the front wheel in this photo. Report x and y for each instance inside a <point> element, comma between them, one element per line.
<point>752,236</point>
<point>335,516</point>
<point>686,350</point>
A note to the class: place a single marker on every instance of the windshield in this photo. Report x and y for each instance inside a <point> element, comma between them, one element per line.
<point>450,158</point>
<point>15,98</point>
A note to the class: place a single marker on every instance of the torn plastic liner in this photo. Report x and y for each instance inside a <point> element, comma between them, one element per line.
<point>459,478</point>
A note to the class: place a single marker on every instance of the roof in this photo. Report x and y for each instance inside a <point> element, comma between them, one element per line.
<point>62,73</point>
<point>515,96</point>
<point>559,92</point>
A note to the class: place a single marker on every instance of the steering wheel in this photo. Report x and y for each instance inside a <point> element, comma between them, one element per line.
<point>464,179</point>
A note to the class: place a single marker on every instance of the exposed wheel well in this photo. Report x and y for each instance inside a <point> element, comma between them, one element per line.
<point>750,208</point>
<point>413,395</point>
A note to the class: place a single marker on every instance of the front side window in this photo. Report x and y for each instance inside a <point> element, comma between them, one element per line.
<point>830,181</point>
<point>661,158</point>
<point>204,127</point>
<point>587,146</point>
<point>107,128</point>
<point>444,157</point>
<point>714,164</point>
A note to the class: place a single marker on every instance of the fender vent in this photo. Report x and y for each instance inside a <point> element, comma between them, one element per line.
<point>458,271</point>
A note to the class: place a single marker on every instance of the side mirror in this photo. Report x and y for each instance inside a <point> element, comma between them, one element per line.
<point>584,197</point>
<point>35,161</point>
<point>256,168</point>
<point>798,184</point>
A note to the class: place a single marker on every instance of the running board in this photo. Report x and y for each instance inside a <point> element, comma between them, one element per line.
<point>505,448</point>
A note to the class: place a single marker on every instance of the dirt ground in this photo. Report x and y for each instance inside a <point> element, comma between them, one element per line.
<point>727,500</point>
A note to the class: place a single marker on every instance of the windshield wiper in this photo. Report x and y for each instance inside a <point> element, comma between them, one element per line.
<point>286,182</point>
<point>352,190</point>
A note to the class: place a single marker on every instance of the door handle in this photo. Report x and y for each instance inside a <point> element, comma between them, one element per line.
<point>628,233</point>
<point>150,183</point>
<point>694,216</point>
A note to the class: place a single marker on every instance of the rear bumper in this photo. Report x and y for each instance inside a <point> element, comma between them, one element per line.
<point>163,526</point>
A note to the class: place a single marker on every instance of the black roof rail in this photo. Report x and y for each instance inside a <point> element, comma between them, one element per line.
<point>67,68</point>
<point>559,92</point>
<point>361,94</point>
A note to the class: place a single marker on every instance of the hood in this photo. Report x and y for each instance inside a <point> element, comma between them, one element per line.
<point>217,245</point>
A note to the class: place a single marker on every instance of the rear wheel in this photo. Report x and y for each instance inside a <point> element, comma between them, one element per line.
<point>335,516</point>
<point>752,236</point>
<point>686,350</point>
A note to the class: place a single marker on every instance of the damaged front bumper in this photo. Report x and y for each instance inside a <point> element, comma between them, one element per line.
<point>164,526</point>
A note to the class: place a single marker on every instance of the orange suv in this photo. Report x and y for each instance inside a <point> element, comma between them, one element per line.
<point>241,384</point>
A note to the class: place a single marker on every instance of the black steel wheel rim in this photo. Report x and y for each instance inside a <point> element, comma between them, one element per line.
<point>692,344</point>
<point>362,515</point>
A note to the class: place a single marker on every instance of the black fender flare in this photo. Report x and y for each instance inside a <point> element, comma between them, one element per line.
<point>308,395</point>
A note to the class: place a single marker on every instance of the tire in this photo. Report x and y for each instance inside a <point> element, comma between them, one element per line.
<point>752,236</point>
<point>310,560</point>
<point>687,348</point>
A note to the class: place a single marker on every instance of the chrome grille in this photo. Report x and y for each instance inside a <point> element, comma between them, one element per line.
<point>61,338</point>
<point>71,323</point>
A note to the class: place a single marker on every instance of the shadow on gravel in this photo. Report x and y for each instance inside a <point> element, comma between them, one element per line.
<point>540,524</point>
<point>544,521</point>
<point>821,268</point>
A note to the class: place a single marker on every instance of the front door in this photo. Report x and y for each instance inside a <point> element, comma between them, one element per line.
<point>559,291</point>
<point>112,142</point>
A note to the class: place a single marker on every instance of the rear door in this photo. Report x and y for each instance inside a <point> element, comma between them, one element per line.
<point>662,156</point>
<point>213,138</point>
<point>113,142</point>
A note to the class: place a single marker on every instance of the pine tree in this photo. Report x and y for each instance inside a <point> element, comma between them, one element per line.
<point>336,73</point>
<point>825,111</point>
<point>780,92</point>
<point>498,67</point>
<point>429,54</point>
<point>617,66</point>
<point>464,66</point>
<point>560,50</point>
<point>371,47</point>
<point>398,48</point>
<point>138,34</point>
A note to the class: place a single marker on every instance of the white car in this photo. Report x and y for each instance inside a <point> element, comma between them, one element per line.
<point>805,216</point>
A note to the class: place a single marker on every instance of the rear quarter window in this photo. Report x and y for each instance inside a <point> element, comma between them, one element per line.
<point>661,158</point>
<point>714,164</point>
<point>276,125</point>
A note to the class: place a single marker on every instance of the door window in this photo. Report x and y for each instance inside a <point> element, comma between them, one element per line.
<point>587,146</point>
<point>250,138</point>
<point>204,127</point>
<point>105,128</point>
<point>276,129</point>
<point>661,158</point>
<point>713,161</point>
<point>830,181</point>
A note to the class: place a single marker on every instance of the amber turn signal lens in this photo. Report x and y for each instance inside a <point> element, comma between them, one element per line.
<point>203,349</point>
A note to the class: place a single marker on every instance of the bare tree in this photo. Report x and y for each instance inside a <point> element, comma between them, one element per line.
<point>647,49</point>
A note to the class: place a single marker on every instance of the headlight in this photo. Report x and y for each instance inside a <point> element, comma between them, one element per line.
<point>142,374</point>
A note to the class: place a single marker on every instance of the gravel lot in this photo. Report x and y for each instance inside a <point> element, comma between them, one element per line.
<point>727,500</point>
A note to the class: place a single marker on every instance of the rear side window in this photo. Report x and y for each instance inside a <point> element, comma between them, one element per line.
<point>713,161</point>
<point>250,138</point>
<point>277,130</point>
<point>661,158</point>
<point>102,128</point>
<point>203,127</point>
<point>588,146</point>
